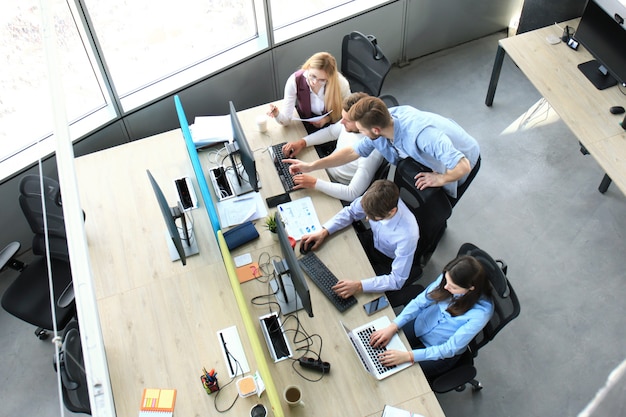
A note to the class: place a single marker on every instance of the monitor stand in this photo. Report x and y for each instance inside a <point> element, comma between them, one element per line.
<point>190,248</point>
<point>293,302</point>
<point>242,188</point>
<point>597,74</point>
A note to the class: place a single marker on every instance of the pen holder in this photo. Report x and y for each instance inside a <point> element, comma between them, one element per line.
<point>209,383</point>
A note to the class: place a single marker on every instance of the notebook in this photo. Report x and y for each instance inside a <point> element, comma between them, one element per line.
<point>157,402</point>
<point>360,338</point>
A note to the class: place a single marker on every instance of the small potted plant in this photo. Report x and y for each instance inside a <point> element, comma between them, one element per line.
<point>270,224</point>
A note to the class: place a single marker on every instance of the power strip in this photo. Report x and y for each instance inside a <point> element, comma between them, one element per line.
<point>186,193</point>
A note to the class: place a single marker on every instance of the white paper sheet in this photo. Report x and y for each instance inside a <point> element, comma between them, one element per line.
<point>240,209</point>
<point>313,119</point>
<point>299,217</point>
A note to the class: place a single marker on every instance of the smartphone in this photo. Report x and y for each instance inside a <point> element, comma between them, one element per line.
<point>277,199</point>
<point>376,305</point>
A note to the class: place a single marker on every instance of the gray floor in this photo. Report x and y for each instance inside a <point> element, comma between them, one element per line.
<point>534,204</point>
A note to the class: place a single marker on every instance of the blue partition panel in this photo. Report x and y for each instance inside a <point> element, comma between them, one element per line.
<point>197,167</point>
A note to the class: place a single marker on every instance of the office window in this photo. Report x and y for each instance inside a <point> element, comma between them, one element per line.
<point>145,41</point>
<point>285,12</point>
<point>26,109</point>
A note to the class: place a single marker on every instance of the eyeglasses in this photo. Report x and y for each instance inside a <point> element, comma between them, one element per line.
<point>313,79</point>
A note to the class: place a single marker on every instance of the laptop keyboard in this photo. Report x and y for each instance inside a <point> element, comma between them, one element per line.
<point>276,152</point>
<point>325,280</point>
<point>373,352</point>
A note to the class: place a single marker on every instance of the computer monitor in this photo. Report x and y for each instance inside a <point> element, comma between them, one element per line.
<point>177,249</point>
<point>243,176</point>
<point>602,32</point>
<point>289,284</point>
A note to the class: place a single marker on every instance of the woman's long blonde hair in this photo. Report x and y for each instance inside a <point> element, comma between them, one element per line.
<point>332,92</point>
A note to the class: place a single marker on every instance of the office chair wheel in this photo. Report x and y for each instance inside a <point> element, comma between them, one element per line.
<point>460,388</point>
<point>41,333</point>
<point>476,385</point>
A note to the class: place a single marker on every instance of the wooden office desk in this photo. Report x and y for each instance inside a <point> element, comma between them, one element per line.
<point>159,319</point>
<point>348,389</point>
<point>552,69</point>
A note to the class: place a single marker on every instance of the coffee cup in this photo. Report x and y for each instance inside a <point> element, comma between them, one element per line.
<point>258,410</point>
<point>293,396</point>
<point>261,123</point>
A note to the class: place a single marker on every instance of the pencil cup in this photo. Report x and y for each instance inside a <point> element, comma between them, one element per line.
<point>261,123</point>
<point>293,396</point>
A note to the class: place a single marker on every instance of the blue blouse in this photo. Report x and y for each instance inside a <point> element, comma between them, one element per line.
<point>443,335</point>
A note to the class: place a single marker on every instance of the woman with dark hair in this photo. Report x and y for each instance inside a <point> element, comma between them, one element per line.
<point>441,321</point>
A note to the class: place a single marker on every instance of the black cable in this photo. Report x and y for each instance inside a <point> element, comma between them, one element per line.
<point>238,369</point>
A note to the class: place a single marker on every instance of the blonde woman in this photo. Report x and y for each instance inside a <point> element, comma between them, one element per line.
<point>313,90</point>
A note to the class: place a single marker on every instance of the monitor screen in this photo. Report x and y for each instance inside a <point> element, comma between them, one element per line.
<point>298,282</point>
<point>246,178</point>
<point>602,32</point>
<point>169,216</point>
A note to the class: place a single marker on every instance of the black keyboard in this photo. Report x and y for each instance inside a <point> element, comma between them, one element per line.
<point>325,280</point>
<point>276,152</point>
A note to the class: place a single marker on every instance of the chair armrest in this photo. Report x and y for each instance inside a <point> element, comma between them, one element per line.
<point>7,257</point>
<point>67,296</point>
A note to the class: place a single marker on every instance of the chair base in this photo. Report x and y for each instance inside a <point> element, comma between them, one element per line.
<point>41,333</point>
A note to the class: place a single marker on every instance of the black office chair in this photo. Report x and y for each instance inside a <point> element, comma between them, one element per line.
<point>363,63</point>
<point>507,308</point>
<point>431,207</point>
<point>71,366</point>
<point>28,297</point>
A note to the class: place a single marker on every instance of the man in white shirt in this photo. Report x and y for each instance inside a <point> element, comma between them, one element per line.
<point>348,181</point>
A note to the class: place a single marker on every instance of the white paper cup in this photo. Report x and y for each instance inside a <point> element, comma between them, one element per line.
<point>261,123</point>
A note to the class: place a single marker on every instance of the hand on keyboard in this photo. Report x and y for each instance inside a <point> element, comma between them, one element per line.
<point>381,338</point>
<point>291,149</point>
<point>304,181</point>
<point>345,289</point>
<point>394,357</point>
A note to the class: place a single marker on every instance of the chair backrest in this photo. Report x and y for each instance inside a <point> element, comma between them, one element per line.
<point>72,370</point>
<point>363,63</point>
<point>430,206</point>
<point>32,207</point>
<point>506,303</point>
<point>31,204</point>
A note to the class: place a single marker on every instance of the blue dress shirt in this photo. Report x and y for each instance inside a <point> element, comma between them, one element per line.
<point>430,139</point>
<point>443,335</point>
<point>396,237</point>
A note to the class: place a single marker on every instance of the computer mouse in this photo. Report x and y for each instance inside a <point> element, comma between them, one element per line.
<point>305,247</point>
<point>616,110</point>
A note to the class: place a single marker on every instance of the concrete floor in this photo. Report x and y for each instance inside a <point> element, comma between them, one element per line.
<point>534,204</point>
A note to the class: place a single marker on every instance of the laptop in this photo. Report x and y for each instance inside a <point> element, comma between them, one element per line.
<point>360,338</point>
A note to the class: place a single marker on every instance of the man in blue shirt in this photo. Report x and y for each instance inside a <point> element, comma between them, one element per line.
<point>432,140</point>
<point>395,234</point>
